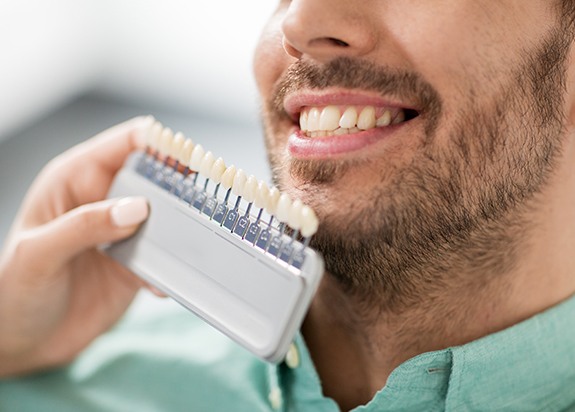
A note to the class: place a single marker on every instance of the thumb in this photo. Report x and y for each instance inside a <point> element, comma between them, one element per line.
<point>85,227</point>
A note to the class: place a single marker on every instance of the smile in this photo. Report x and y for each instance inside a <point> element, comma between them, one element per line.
<point>343,120</point>
<point>337,122</point>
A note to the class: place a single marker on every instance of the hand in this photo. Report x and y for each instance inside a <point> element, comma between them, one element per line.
<point>57,290</point>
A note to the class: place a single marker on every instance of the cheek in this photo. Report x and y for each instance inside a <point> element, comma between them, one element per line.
<point>471,47</point>
<point>270,59</point>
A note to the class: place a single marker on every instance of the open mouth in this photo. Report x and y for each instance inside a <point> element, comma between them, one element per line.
<point>339,122</point>
<point>335,120</point>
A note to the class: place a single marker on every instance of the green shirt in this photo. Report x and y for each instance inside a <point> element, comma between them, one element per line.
<point>168,360</point>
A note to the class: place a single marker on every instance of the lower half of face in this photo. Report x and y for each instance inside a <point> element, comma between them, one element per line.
<point>432,194</point>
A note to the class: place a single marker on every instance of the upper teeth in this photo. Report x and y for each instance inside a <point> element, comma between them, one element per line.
<point>316,121</point>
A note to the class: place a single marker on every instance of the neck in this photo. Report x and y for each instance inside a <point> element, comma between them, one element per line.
<point>355,347</point>
<point>355,357</point>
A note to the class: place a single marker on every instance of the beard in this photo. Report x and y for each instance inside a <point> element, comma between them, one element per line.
<point>456,213</point>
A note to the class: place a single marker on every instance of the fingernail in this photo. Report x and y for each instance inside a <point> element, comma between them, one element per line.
<point>129,211</point>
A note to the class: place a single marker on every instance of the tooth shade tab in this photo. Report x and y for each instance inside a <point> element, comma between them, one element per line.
<point>218,169</point>
<point>294,218</point>
<point>239,182</point>
<point>166,141</point>
<point>228,177</point>
<point>309,222</point>
<point>146,130</point>
<point>196,157</point>
<point>206,164</point>
<point>186,152</point>
<point>177,145</point>
<point>262,195</point>
<point>250,189</point>
<point>273,199</point>
<point>283,208</point>
<point>156,135</point>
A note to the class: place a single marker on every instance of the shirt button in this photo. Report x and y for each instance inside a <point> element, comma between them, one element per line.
<point>275,398</point>
<point>292,357</point>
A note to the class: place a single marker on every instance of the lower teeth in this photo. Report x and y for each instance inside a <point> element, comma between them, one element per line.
<point>336,132</point>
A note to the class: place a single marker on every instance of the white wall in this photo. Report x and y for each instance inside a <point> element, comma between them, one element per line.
<point>186,54</point>
<point>49,51</point>
<point>193,54</point>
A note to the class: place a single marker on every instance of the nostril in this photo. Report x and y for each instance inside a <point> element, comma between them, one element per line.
<point>290,50</point>
<point>338,42</point>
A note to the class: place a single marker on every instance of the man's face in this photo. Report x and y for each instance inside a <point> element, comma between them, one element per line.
<point>429,124</point>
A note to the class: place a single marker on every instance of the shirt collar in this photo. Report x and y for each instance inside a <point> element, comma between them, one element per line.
<point>529,366</point>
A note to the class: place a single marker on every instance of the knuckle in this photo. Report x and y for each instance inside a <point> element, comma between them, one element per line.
<point>22,247</point>
<point>21,254</point>
<point>86,219</point>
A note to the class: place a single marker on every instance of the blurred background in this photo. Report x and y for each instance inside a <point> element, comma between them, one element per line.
<point>71,68</point>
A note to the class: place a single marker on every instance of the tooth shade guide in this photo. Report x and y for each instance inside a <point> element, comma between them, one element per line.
<point>271,283</point>
<point>276,214</point>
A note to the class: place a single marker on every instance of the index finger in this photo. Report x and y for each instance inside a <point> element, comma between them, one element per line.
<point>108,150</point>
<point>84,173</point>
<point>91,166</point>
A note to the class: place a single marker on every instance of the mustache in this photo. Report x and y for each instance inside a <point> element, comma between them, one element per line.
<point>353,73</point>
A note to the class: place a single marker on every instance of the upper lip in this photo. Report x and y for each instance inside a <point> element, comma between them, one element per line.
<point>293,103</point>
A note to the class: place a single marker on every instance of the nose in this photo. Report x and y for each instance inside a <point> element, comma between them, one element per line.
<point>324,29</point>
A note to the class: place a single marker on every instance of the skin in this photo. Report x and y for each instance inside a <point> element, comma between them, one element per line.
<point>483,133</point>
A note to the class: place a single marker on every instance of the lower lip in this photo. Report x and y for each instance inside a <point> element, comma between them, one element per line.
<point>302,146</point>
